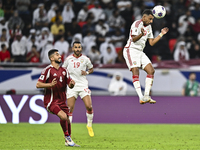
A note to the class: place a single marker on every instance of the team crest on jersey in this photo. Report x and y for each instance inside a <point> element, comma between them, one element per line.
<point>82,60</point>
<point>134,62</point>
<point>64,73</point>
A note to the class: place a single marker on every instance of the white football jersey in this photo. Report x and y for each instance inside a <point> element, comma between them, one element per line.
<point>136,30</point>
<point>74,66</point>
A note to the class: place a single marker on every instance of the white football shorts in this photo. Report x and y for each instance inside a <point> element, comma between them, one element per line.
<point>75,93</point>
<point>135,58</point>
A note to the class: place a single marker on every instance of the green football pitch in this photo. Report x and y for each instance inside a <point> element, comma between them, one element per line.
<point>107,136</point>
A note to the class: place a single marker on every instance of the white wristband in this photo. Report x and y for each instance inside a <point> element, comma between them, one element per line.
<point>87,72</point>
<point>161,34</point>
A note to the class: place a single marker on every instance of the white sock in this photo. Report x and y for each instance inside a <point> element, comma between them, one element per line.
<point>148,84</point>
<point>89,119</point>
<point>70,117</point>
<point>138,89</point>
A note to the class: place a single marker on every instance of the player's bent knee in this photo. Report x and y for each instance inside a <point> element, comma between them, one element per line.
<point>89,108</point>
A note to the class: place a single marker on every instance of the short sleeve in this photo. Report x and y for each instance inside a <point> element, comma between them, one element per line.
<point>150,35</point>
<point>43,76</point>
<point>65,64</point>
<point>68,76</point>
<point>89,64</point>
<point>134,31</point>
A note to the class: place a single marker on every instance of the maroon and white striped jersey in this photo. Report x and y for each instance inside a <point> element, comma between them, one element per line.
<point>57,93</point>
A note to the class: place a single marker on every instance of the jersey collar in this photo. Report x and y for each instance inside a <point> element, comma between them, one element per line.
<point>78,56</point>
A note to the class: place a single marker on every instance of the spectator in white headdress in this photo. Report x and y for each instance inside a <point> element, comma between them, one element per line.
<point>117,86</point>
<point>181,52</point>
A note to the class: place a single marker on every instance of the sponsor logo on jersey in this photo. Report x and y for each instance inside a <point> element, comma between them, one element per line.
<point>82,60</point>
<point>134,62</point>
<point>54,74</point>
<point>64,73</point>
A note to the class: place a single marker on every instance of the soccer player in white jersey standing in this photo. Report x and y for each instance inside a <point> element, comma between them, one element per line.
<point>135,57</point>
<point>77,64</point>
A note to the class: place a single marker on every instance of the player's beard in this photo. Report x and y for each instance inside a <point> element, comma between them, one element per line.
<point>77,53</point>
<point>58,62</point>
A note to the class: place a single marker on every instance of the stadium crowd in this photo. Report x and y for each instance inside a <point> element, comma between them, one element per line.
<point>30,28</point>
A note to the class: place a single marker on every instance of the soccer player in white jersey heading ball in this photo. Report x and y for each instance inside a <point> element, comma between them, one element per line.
<point>77,64</point>
<point>135,57</point>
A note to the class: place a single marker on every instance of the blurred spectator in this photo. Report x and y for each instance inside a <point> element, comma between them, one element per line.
<point>194,51</point>
<point>5,34</point>
<point>102,28</point>
<point>184,21</point>
<point>23,9</point>
<point>37,12</point>
<point>97,11</point>
<point>44,54</point>
<point>89,26</point>
<point>45,34</point>
<point>4,54</point>
<point>56,27</point>
<point>32,32</point>
<point>68,13</point>
<point>117,86</point>
<point>88,41</point>
<point>125,9</point>
<point>196,12</point>
<point>52,12</point>
<point>82,14</point>
<point>58,15</point>
<point>94,55</point>
<point>116,21</point>
<point>41,21</point>
<point>15,20</point>
<point>191,87</point>
<point>32,42</point>
<point>4,25</point>
<point>109,55</point>
<point>18,49</point>
<point>109,9</point>
<point>73,28</point>
<point>181,52</point>
<point>8,7</point>
<point>33,55</point>
<point>1,10</point>
<point>196,27</point>
<point>118,39</point>
<point>4,41</point>
<point>63,47</point>
<point>15,30</point>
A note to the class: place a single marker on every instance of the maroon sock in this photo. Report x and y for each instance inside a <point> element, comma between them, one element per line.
<point>69,128</point>
<point>65,126</point>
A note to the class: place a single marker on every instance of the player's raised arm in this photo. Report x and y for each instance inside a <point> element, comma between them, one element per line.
<point>152,42</point>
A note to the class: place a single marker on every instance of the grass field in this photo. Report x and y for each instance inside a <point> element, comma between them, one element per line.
<point>107,136</point>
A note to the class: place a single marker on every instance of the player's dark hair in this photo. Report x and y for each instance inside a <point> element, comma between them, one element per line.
<point>52,51</point>
<point>147,12</point>
<point>76,42</point>
<point>3,45</point>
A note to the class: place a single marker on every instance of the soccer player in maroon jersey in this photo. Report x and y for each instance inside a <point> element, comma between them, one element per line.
<point>54,79</point>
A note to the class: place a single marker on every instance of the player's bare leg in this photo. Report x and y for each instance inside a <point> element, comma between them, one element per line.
<point>136,83</point>
<point>66,127</point>
<point>88,104</point>
<point>149,81</point>
<point>71,103</point>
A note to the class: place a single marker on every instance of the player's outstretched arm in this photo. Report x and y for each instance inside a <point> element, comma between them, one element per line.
<point>87,72</point>
<point>71,84</point>
<point>152,42</point>
<point>46,85</point>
